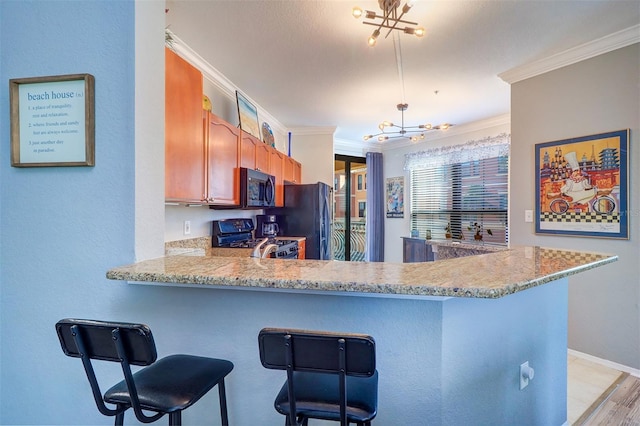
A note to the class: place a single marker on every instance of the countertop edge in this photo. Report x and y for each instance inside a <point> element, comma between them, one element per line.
<point>345,287</point>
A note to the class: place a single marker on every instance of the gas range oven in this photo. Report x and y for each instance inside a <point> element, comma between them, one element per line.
<point>237,234</point>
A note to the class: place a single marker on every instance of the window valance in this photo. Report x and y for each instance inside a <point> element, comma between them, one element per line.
<point>492,146</point>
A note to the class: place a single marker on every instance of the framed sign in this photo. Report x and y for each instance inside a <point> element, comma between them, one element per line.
<point>52,121</point>
<point>395,196</point>
<point>248,115</point>
<point>582,186</point>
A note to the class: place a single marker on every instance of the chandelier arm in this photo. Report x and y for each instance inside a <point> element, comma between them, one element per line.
<point>382,25</point>
<point>395,25</point>
<point>390,19</point>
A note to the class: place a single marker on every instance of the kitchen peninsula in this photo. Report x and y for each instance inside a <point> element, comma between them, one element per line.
<point>451,335</point>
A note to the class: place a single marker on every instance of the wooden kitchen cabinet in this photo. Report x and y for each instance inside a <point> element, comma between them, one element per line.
<point>276,168</point>
<point>254,154</point>
<point>302,248</point>
<point>222,146</point>
<point>184,147</point>
<point>292,170</point>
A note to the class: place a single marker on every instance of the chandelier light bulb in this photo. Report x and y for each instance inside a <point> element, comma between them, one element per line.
<point>445,126</point>
<point>382,138</point>
<point>428,126</point>
<point>356,12</point>
<point>366,138</point>
<point>374,36</point>
<point>419,32</point>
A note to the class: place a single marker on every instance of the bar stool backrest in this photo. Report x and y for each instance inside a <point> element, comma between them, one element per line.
<point>317,351</point>
<point>340,354</point>
<point>97,337</point>
<point>125,343</point>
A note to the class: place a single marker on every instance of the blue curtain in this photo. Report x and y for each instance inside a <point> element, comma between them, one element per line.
<point>374,228</point>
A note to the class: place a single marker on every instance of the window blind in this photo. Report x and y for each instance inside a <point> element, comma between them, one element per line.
<point>460,198</point>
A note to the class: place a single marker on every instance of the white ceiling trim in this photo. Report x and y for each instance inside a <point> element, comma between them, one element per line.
<point>585,51</point>
<point>225,85</point>
<point>301,131</point>
<point>358,148</point>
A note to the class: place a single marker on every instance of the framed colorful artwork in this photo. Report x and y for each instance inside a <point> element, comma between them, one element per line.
<point>395,196</point>
<point>582,186</point>
<point>248,115</point>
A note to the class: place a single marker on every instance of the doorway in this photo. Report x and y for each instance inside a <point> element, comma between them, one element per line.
<point>349,208</point>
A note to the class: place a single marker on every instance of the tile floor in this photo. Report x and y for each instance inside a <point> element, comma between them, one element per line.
<point>586,383</point>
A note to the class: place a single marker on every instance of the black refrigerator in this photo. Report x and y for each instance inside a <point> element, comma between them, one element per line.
<point>307,212</point>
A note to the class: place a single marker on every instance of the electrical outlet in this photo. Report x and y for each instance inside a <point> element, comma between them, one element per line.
<point>526,374</point>
<point>187,227</point>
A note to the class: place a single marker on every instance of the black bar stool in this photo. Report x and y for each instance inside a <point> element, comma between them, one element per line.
<point>167,386</point>
<point>330,376</point>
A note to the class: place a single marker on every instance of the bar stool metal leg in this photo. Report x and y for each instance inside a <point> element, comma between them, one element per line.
<point>223,403</point>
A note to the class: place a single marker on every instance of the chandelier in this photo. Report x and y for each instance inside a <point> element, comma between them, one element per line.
<point>389,130</point>
<point>391,18</point>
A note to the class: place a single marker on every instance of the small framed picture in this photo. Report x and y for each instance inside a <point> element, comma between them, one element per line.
<point>52,121</point>
<point>248,115</point>
<point>395,197</point>
<point>582,186</point>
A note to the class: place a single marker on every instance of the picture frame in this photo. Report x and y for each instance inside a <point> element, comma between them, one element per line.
<point>582,186</point>
<point>395,197</point>
<point>52,121</point>
<point>248,116</point>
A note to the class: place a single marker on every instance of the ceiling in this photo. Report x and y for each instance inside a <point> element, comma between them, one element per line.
<point>308,63</point>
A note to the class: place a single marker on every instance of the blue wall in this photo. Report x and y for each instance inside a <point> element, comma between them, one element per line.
<point>63,227</point>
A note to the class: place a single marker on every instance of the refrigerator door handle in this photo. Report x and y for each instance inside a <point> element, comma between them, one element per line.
<point>324,223</point>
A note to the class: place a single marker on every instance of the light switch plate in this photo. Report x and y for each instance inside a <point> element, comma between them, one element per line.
<point>528,216</point>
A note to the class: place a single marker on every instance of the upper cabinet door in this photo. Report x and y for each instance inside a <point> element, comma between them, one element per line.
<point>292,170</point>
<point>263,157</point>
<point>223,152</point>
<point>276,168</point>
<point>184,142</point>
<point>254,154</point>
<point>248,146</point>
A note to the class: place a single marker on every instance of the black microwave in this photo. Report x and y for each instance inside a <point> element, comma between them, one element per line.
<point>257,189</point>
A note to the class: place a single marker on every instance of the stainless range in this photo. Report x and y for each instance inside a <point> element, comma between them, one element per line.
<point>237,234</point>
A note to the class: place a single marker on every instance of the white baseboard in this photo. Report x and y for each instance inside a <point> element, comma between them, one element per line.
<point>610,364</point>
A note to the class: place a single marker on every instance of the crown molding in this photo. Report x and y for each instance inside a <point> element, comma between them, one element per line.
<point>574,55</point>
<point>226,86</point>
<point>302,131</point>
<point>356,148</point>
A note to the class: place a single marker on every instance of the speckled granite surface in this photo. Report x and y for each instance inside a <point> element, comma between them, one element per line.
<point>490,275</point>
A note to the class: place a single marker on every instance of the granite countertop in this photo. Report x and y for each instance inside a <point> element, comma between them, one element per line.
<point>490,275</point>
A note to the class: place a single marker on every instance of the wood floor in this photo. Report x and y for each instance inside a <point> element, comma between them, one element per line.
<point>599,395</point>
